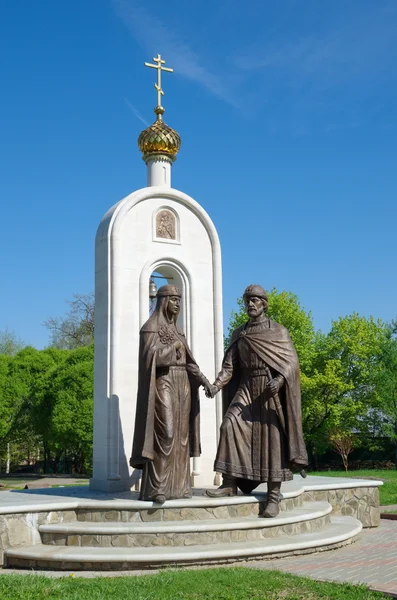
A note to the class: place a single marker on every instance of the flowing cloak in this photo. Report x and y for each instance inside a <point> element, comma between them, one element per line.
<point>142,450</point>
<point>274,346</point>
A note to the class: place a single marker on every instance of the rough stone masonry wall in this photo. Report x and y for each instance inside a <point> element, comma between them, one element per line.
<point>21,529</point>
<point>360,502</point>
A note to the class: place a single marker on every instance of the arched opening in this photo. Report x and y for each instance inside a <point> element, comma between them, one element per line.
<point>162,273</point>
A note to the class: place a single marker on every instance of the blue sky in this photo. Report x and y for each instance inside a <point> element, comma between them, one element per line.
<point>287,113</point>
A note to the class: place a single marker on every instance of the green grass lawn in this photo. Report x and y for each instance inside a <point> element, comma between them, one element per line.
<point>15,484</point>
<point>388,491</point>
<point>8,481</point>
<point>82,482</point>
<point>209,584</point>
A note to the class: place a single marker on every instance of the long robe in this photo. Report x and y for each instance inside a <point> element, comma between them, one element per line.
<point>261,436</point>
<point>167,423</point>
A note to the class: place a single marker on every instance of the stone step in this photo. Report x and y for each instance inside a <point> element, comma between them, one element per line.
<point>196,508</point>
<point>340,530</point>
<point>309,517</point>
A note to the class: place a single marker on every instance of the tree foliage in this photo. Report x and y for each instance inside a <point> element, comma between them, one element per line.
<point>341,388</point>
<point>76,328</point>
<point>386,384</point>
<point>46,396</point>
<point>46,404</point>
<point>341,371</point>
<point>10,343</point>
<point>70,391</point>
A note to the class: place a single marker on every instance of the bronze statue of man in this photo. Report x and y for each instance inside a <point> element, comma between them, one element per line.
<point>167,423</point>
<point>261,437</point>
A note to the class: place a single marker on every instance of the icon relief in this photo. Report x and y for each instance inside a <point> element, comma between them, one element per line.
<point>166,225</point>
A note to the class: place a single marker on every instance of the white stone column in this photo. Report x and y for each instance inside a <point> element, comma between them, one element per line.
<point>158,170</point>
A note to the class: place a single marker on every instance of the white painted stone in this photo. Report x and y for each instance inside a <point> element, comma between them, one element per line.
<point>339,530</point>
<point>127,253</point>
<point>308,512</point>
<point>158,171</point>
<point>80,497</point>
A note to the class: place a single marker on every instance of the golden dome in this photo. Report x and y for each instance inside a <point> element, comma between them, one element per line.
<point>159,138</point>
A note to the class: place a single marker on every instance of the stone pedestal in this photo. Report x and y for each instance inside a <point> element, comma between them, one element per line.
<point>77,529</point>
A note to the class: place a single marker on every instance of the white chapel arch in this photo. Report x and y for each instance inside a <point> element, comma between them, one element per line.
<point>127,254</point>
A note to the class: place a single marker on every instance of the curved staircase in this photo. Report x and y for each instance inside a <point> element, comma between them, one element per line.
<point>131,534</point>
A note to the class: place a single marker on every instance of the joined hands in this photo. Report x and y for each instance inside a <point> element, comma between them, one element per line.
<point>211,390</point>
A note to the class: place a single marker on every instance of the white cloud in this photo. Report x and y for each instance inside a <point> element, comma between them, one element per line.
<point>146,27</point>
<point>136,112</point>
<point>364,45</point>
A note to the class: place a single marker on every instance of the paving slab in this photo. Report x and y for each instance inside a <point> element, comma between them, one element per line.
<point>371,560</point>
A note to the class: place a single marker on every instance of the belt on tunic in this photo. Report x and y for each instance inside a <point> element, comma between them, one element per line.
<point>165,370</point>
<point>255,372</point>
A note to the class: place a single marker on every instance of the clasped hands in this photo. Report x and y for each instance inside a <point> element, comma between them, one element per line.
<point>273,386</point>
<point>210,390</point>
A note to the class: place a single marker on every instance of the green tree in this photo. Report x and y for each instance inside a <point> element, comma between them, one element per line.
<point>386,381</point>
<point>4,404</point>
<point>46,404</point>
<point>322,410</point>
<point>341,389</point>
<point>10,343</point>
<point>70,392</point>
<point>25,422</point>
<point>76,328</point>
<point>343,444</point>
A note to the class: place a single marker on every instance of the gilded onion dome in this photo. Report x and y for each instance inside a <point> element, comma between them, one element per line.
<point>159,138</point>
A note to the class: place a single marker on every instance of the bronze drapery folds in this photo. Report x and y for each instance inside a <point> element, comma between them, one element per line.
<point>167,423</point>
<point>261,438</point>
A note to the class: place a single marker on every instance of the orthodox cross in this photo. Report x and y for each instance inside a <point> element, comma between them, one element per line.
<point>159,66</point>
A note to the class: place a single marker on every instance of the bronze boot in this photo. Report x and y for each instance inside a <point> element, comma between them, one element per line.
<point>273,499</point>
<point>228,488</point>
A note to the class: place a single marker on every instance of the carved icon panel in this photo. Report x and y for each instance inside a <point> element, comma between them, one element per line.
<point>166,225</point>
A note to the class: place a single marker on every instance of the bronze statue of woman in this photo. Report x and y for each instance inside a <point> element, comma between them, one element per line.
<point>167,423</point>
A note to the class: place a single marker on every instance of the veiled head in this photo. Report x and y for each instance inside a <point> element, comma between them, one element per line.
<point>169,302</point>
<point>169,290</point>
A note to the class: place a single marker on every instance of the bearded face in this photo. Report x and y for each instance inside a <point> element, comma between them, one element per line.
<point>254,306</point>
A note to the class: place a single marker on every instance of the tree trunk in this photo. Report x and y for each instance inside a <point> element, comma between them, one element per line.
<point>313,459</point>
<point>395,454</point>
<point>345,460</point>
<point>8,458</point>
<point>395,446</point>
<point>46,457</point>
<point>56,462</point>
